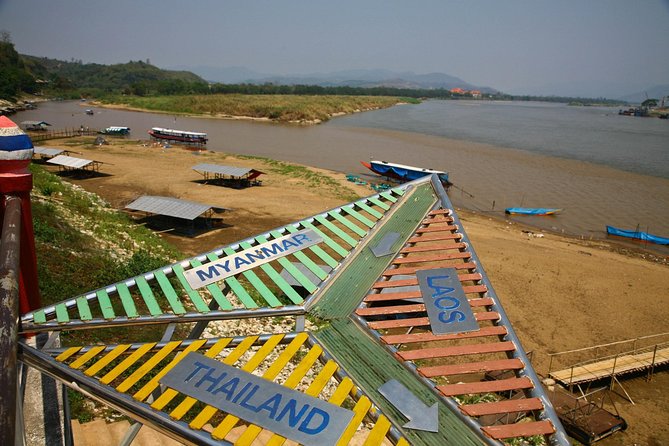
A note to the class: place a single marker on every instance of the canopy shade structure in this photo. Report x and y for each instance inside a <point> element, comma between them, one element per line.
<point>171,207</point>
<point>34,125</point>
<point>391,260</point>
<point>70,163</point>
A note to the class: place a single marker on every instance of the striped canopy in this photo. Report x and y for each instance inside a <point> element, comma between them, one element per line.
<point>14,143</point>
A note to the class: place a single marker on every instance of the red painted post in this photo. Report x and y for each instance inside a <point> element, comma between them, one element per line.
<point>16,151</point>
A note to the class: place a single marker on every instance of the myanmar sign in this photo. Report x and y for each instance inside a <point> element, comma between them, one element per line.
<point>250,258</point>
<point>287,412</point>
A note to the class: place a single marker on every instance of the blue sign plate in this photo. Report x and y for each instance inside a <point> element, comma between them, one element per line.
<point>287,412</point>
<point>447,306</point>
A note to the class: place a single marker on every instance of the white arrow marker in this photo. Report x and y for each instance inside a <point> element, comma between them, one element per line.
<point>420,416</point>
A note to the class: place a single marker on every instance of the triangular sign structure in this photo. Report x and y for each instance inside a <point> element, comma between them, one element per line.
<point>368,321</point>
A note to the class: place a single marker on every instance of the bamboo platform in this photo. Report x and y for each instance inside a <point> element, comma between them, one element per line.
<point>612,367</point>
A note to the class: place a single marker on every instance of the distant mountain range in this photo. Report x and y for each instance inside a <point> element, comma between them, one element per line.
<point>350,78</point>
<point>657,92</point>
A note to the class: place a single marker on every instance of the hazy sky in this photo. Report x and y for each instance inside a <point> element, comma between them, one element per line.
<point>604,47</point>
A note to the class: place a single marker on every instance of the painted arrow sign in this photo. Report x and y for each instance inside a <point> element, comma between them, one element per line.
<point>421,417</point>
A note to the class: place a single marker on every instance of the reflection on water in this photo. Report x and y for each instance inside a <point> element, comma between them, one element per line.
<point>591,195</point>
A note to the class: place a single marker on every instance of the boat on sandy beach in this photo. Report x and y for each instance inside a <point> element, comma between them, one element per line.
<point>403,172</point>
<point>531,211</point>
<point>636,235</point>
<point>178,135</point>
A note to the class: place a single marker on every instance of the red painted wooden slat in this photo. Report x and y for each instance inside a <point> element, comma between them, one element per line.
<point>436,228</point>
<point>498,330</point>
<point>434,238</point>
<point>499,407</point>
<point>409,270</point>
<point>437,219</point>
<point>456,350</point>
<point>414,281</point>
<point>500,385</point>
<point>433,258</point>
<point>471,367</point>
<point>529,429</point>
<point>423,321</point>
<point>433,247</point>
<point>391,309</point>
<point>440,212</point>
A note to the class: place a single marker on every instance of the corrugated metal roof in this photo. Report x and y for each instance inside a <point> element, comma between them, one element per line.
<point>223,170</point>
<point>172,207</point>
<point>70,161</point>
<point>47,151</point>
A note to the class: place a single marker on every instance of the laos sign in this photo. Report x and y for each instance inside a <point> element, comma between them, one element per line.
<point>250,258</point>
<point>294,415</point>
<point>447,306</point>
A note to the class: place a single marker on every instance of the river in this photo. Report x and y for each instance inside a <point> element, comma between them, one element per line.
<point>599,167</point>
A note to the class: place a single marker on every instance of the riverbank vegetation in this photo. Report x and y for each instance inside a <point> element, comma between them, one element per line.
<point>285,108</point>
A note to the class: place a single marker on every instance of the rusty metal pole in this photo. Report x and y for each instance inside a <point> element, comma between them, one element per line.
<point>10,249</point>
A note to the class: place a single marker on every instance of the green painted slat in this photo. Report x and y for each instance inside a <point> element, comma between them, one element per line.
<point>293,271</point>
<point>348,223</point>
<point>324,256</point>
<point>379,203</point>
<point>215,291</point>
<point>365,207</point>
<point>358,216</point>
<point>105,304</point>
<point>127,300</point>
<point>39,317</point>
<point>341,234</point>
<point>350,286</point>
<point>169,292</point>
<point>306,261</point>
<point>61,314</point>
<point>370,366</point>
<point>236,288</point>
<point>258,284</point>
<point>84,309</point>
<point>388,196</point>
<point>398,191</point>
<point>275,277</point>
<point>147,296</point>
<point>195,297</point>
<point>328,241</point>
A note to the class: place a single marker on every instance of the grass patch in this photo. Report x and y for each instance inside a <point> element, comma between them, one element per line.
<point>284,108</point>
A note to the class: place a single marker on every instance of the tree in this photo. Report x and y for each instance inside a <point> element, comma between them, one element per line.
<point>649,103</point>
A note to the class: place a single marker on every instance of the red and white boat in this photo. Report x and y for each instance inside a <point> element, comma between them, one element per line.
<point>178,135</point>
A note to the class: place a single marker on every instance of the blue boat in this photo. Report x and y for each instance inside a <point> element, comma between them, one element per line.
<point>532,211</point>
<point>637,235</point>
<point>403,172</point>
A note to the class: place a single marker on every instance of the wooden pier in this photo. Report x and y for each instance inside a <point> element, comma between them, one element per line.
<point>64,133</point>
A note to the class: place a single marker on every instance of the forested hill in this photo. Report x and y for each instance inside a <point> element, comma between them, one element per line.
<point>131,77</point>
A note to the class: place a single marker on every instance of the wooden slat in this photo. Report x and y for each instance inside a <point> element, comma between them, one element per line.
<point>126,300</point>
<point>355,214</point>
<point>83,309</point>
<point>423,321</point>
<point>169,293</point>
<point>90,354</point>
<point>39,317</point>
<point>348,223</point>
<point>127,362</point>
<point>106,360</point>
<point>105,304</point>
<point>337,231</point>
<point>432,258</point>
<point>437,219</point>
<point>435,237</point>
<point>500,385</point>
<point>457,350</point>
<point>388,196</point>
<point>147,366</point>
<point>393,309</point>
<point>497,330</point>
<point>360,411</point>
<point>237,289</point>
<point>433,247</point>
<point>198,302</point>
<point>440,212</point>
<point>471,367</point>
<point>148,297</point>
<point>414,281</point>
<point>376,202</point>
<point>378,433</point>
<point>293,271</point>
<point>411,270</point>
<point>306,261</point>
<point>499,407</point>
<point>436,228</point>
<point>529,429</point>
<point>215,291</point>
<point>336,247</point>
<point>62,315</point>
<point>384,297</point>
<point>367,208</point>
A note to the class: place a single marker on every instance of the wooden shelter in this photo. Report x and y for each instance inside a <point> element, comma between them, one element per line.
<point>229,175</point>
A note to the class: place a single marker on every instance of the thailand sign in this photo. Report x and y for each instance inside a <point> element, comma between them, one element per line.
<point>447,306</point>
<point>250,258</point>
<point>287,412</point>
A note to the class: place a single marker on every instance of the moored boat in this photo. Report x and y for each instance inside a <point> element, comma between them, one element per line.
<point>403,172</point>
<point>532,211</point>
<point>178,135</point>
<point>116,130</point>
<point>636,235</point>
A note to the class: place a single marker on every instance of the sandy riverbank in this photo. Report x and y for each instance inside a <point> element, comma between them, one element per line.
<point>559,292</point>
